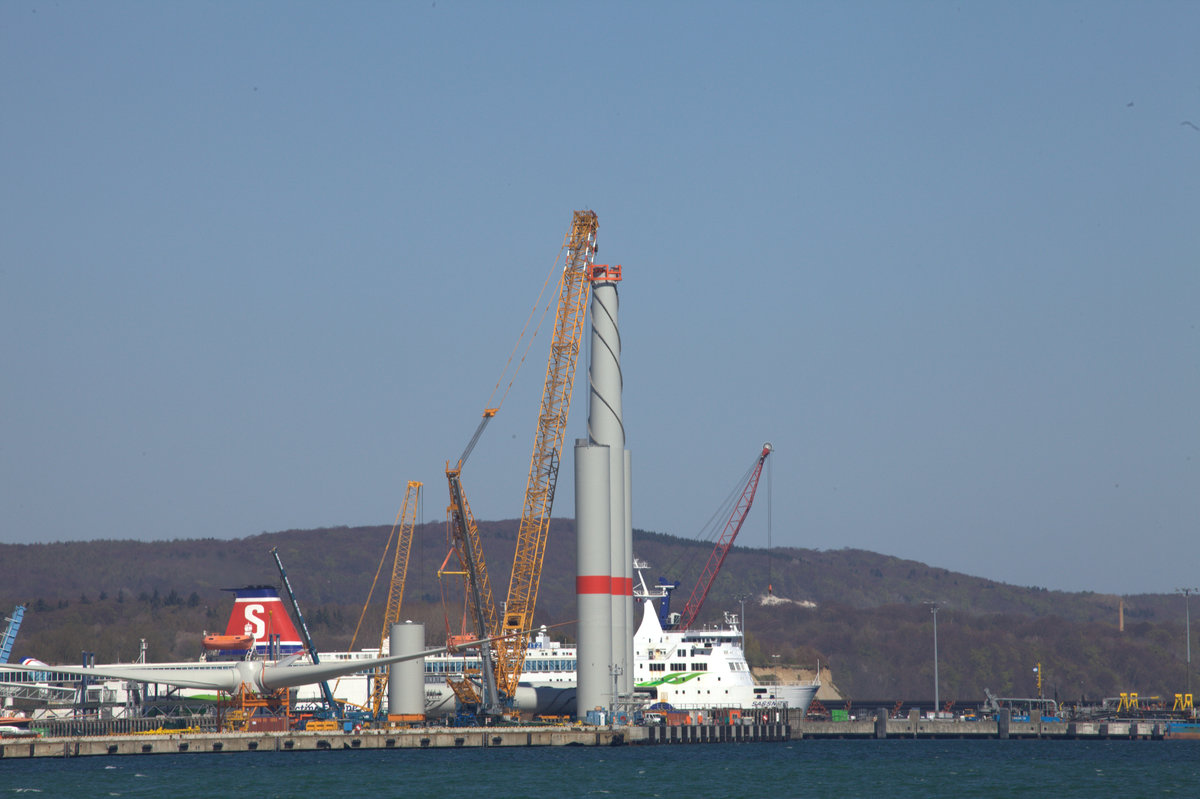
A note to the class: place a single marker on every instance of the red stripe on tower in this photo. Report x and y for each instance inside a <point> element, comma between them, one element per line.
<point>593,584</point>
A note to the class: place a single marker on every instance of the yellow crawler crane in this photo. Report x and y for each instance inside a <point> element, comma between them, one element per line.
<point>574,285</point>
<point>406,522</point>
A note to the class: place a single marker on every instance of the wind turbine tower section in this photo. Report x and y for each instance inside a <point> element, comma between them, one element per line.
<point>603,514</point>
<point>593,578</point>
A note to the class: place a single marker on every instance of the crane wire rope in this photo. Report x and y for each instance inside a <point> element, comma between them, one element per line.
<point>711,529</point>
<point>770,504</point>
<point>491,410</point>
<point>524,330</point>
<point>370,592</point>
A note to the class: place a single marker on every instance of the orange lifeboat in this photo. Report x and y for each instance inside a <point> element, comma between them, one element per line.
<point>228,642</point>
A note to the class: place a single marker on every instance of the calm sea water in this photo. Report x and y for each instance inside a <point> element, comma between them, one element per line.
<point>895,768</point>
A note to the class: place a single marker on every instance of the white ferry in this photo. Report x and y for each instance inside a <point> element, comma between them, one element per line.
<point>705,668</point>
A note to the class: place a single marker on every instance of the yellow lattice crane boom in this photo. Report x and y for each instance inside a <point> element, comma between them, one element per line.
<point>406,522</point>
<point>574,285</point>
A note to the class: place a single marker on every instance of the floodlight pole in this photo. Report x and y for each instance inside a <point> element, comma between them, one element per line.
<point>937,700</point>
<point>1187,615</point>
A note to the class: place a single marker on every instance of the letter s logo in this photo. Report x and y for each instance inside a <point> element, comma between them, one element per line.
<point>254,617</point>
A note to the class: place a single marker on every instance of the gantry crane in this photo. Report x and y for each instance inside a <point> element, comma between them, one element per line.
<point>696,601</point>
<point>406,522</point>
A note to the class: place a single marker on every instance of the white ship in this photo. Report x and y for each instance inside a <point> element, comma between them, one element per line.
<point>701,667</point>
<point>705,668</point>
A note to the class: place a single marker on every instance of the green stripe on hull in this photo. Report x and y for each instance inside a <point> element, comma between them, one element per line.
<point>677,678</point>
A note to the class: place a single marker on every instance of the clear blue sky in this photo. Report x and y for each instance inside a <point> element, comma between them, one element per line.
<point>261,264</point>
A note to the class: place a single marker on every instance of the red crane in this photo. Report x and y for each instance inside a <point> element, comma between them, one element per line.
<point>696,601</point>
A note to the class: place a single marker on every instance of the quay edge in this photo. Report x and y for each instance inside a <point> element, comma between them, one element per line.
<point>1001,729</point>
<point>500,737</point>
<point>186,743</point>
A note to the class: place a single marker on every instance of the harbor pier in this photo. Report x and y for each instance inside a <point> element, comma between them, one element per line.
<point>914,727</point>
<point>234,742</point>
<point>1002,728</point>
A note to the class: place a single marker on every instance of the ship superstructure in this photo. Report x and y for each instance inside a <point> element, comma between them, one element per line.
<point>705,667</point>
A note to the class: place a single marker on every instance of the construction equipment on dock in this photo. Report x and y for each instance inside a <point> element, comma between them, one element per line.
<point>580,246</point>
<point>500,678</point>
<point>406,522</point>
<point>10,632</point>
<point>464,534</point>
<point>334,707</point>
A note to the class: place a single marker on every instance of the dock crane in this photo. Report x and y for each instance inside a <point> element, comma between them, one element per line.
<point>406,523</point>
<point>464,538</point>
<point>500,679</point>
<point>691,608</point>
<point>334,707</point>
<point>573,289</point>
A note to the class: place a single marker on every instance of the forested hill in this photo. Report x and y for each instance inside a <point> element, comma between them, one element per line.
<point>869,623</point>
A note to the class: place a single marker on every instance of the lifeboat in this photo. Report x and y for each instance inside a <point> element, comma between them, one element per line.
<point>228,642</point>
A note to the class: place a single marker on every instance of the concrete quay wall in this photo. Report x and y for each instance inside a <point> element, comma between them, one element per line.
<point>439,738</point>
<point>477,737</point>
<point>998,729</point>
<point>419,738</point>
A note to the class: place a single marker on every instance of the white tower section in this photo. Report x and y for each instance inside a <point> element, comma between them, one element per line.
<point>593,579</point>
<point>603,515</point>
<point>406,681</point>
<point>606,428</point>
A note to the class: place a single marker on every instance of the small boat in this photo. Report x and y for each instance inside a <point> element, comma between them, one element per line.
<point>228,642</point>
